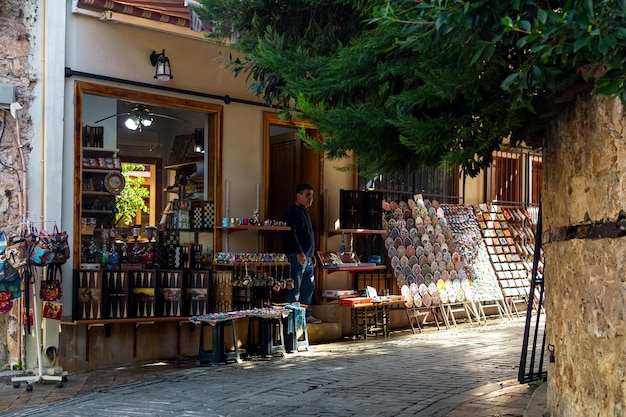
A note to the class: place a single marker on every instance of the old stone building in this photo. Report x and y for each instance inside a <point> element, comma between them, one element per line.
<point>583,202</point>
<point>17,42</point>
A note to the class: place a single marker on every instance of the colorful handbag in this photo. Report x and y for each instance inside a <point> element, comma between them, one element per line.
<point>60,246</point>
<point>9,291</point>
<point>41,251</point>
<point>17,252</point>
<point>51,287</point>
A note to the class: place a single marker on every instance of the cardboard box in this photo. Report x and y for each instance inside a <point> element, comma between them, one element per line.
<point>338,293</point>
<point>348,302</point>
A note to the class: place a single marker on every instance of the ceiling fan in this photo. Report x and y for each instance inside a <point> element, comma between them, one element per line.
<point>140,116</point>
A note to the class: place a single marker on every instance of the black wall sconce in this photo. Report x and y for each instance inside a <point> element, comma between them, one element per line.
<point>163,70</point>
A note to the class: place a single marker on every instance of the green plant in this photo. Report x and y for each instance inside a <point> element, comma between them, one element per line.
<point>131,198</point>
<point>536,384</point>
<point>17,366</point>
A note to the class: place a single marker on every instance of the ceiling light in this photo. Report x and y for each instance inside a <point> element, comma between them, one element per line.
<point>132,123</point>
<point>163,70</point>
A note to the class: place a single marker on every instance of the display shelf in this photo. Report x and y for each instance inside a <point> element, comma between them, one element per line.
<point>500,228</point>
<point>251,264</point>
<point>357,232</point>
<point>89,151</point>
<point>233,229</point>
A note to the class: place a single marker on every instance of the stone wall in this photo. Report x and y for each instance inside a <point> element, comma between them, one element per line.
<point>17,19</point>
<point>584,178</point>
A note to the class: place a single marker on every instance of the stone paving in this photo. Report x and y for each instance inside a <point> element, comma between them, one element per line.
<point>468,371</point>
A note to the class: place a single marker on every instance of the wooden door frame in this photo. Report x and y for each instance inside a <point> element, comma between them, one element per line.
<point>317,209</point>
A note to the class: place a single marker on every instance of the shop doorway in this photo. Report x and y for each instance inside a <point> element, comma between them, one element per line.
<point>287,163</point>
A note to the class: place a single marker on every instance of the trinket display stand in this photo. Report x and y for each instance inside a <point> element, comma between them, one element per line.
<point>39,375</point>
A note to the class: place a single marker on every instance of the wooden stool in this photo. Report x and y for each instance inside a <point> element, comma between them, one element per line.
<point>218,353</point>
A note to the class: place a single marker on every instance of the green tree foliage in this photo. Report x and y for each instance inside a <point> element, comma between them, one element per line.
<point>422,82</point>
<point>131,198</point>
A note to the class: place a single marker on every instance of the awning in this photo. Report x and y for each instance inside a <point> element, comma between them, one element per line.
<point>166,11</point>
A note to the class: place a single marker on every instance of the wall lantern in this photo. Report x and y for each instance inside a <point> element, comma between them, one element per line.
<point>163,70</point>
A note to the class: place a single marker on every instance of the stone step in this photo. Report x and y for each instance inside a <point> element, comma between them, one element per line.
<point>324,332</point>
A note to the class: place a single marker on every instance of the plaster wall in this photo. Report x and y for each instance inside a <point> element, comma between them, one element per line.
<point>585,279</point>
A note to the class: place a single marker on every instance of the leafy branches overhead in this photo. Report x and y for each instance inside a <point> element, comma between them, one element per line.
<point>423,82</point>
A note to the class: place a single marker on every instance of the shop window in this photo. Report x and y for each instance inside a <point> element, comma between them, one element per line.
<point>514,177</point>
<point>434,182</point>
<point>163,138</point>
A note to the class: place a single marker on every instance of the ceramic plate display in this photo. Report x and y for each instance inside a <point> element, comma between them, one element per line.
<point>460,295</point>
<point>416,269</point>
<point>388,242</point>
<point>114,182</point>
<point>422,261</point>
<point>410,222</point>
<point>452,297</point>
<point>395,262</point>
<point>398,242</point>
<point>401,251</point>
<point>413,261</point>
<point>404,233</point>
<point>419,251</point>
<point>410,250</point>
<point>423,289</point>
<point>425,269</point>
<point>443,294</point>
<point>392,252</point>
<point>410,280</point>
<point>408,242</point>
<point>432,287</point>
<point>411,203</point>
<point>440,285</point>
<point>391,223</point>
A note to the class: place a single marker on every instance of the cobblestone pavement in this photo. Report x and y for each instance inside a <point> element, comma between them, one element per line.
<point>468,371</point>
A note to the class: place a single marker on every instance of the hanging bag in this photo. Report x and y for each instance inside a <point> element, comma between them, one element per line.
<point>60,246</point>
<point>7,272</point>
<point>41,251</point>
<point>17,252</point>
<point>51,287</point>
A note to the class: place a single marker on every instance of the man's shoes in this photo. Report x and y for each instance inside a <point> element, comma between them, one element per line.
<point>313,320</point>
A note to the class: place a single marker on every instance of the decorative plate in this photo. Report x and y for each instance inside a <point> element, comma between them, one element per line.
<point>114,182</point>
<point>392,252</point>
<point>405,290</point>
<point>416,269</point>
<point>417,301</point>
<point>408,301</point>
<point>414,289</point>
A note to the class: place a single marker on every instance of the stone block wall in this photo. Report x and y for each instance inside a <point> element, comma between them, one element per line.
<point>17,24</point>
<point>584,184</point>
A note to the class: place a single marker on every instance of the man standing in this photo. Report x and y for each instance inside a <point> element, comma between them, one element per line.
<point>299,246</point>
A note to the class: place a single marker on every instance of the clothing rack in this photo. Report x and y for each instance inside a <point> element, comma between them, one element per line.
<point>39,374</point>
